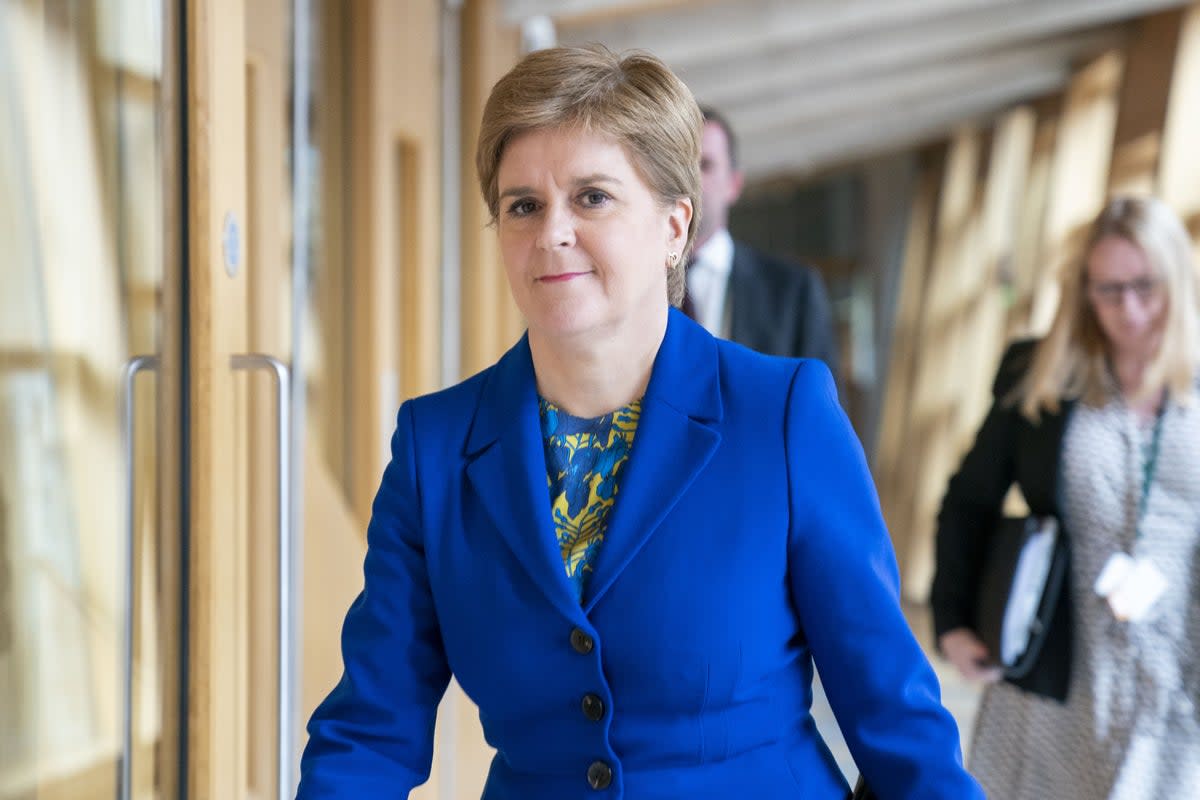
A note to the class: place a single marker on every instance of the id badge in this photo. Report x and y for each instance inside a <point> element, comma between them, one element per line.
<point>1130,585</point>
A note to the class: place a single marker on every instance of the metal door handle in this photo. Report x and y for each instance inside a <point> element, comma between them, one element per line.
<point>129,375</point>
<point>287,672</point>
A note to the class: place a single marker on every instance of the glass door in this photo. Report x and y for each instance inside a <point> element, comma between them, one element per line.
<point>90,422</point>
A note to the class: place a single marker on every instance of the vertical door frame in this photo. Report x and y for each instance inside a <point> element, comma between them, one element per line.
<point>215,61</point>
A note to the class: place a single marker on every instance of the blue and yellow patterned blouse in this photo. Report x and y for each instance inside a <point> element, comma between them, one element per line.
<point>584,458</point>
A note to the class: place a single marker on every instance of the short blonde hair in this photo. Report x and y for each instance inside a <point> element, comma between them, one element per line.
<point>632,98</point>
<point>1071,362</point>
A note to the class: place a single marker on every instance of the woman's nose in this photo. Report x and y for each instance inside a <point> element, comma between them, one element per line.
<point>1131,304</point>
<point>558,227</point>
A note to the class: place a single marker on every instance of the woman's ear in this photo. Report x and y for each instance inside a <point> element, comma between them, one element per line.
<point>678,220</point>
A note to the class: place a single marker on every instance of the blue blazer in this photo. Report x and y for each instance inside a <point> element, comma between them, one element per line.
<point>745,543</point>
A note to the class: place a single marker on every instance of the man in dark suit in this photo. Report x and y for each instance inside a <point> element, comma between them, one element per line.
<point>739,293</point>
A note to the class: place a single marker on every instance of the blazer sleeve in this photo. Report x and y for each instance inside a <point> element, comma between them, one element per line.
<point>373,735</point>
<point>973,498</point>
<point>845,584</point>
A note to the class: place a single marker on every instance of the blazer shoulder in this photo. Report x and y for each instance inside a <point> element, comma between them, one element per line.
<point>464,393</point>
<point>1015,362</point>
<point>449,409</point>
<point>794,380</point>
<point>742,366</point>
<point>779,271</point>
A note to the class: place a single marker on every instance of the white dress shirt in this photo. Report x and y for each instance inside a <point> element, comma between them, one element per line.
<point>708,280</point>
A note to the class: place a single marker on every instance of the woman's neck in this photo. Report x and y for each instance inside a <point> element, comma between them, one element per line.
<point>589,376</point>
<point>1130,369</point>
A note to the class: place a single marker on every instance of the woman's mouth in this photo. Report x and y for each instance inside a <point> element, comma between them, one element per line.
<point>561,277</point>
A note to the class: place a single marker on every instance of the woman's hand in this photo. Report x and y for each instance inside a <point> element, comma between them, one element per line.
<point>962,648</point>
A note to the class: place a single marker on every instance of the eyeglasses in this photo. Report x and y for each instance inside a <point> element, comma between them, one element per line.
<point>1113,292</point>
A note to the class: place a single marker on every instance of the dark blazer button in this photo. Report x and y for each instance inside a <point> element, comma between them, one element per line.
<point>599,775</point>
<point>593,707</point>
<point>582,643</point>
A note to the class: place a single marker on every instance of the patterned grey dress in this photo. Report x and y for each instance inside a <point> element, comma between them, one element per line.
<point>1130,729</point>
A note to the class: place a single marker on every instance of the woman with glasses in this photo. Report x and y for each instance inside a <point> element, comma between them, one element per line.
<point>1098,425</point>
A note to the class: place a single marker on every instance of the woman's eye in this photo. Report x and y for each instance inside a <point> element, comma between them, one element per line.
<point>595,197</point>
<point>522,208</point>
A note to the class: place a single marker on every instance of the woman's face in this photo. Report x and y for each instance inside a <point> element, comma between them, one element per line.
<point>584,241</point>
<point>1129,299</point>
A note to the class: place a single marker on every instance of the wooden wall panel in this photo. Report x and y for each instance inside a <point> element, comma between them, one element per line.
<point>1179,168</point>
<point>216,177</point>
<point>1027,251</point>
<point>394,195</point>
<point>991,280</point>
<point>1079,175</point>
<point>937,391</point>
<point>1145,88</point>
<point>490,319</point>
<point>893,467</point>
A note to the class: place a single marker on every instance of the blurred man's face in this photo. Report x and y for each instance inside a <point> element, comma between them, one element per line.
<point>720,183</point>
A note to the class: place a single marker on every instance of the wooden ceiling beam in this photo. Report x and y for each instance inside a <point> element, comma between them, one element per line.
<point>588,12</point>
<point>687,36</point>
<point>801,151</point>
<point>763,70</point>
<point>897,90</point>
<point>808,83</point>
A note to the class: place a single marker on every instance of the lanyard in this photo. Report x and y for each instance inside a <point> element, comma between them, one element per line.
<point>1149,462</point>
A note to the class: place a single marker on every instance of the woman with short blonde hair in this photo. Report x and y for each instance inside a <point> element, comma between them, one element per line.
<point>628,541</point>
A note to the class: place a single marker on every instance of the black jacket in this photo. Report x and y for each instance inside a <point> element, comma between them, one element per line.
<point>780,309</point>
<point>1008,449</point>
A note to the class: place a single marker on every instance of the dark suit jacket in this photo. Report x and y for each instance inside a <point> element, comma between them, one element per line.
<point>1008,448</point>
<point>745,543</point>
<point>779,308</point>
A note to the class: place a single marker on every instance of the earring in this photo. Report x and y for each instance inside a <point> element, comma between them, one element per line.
<point>672,259</point>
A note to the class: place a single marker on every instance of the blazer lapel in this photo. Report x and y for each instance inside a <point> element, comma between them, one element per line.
<point>508,473</point>
<point>675,440</point>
